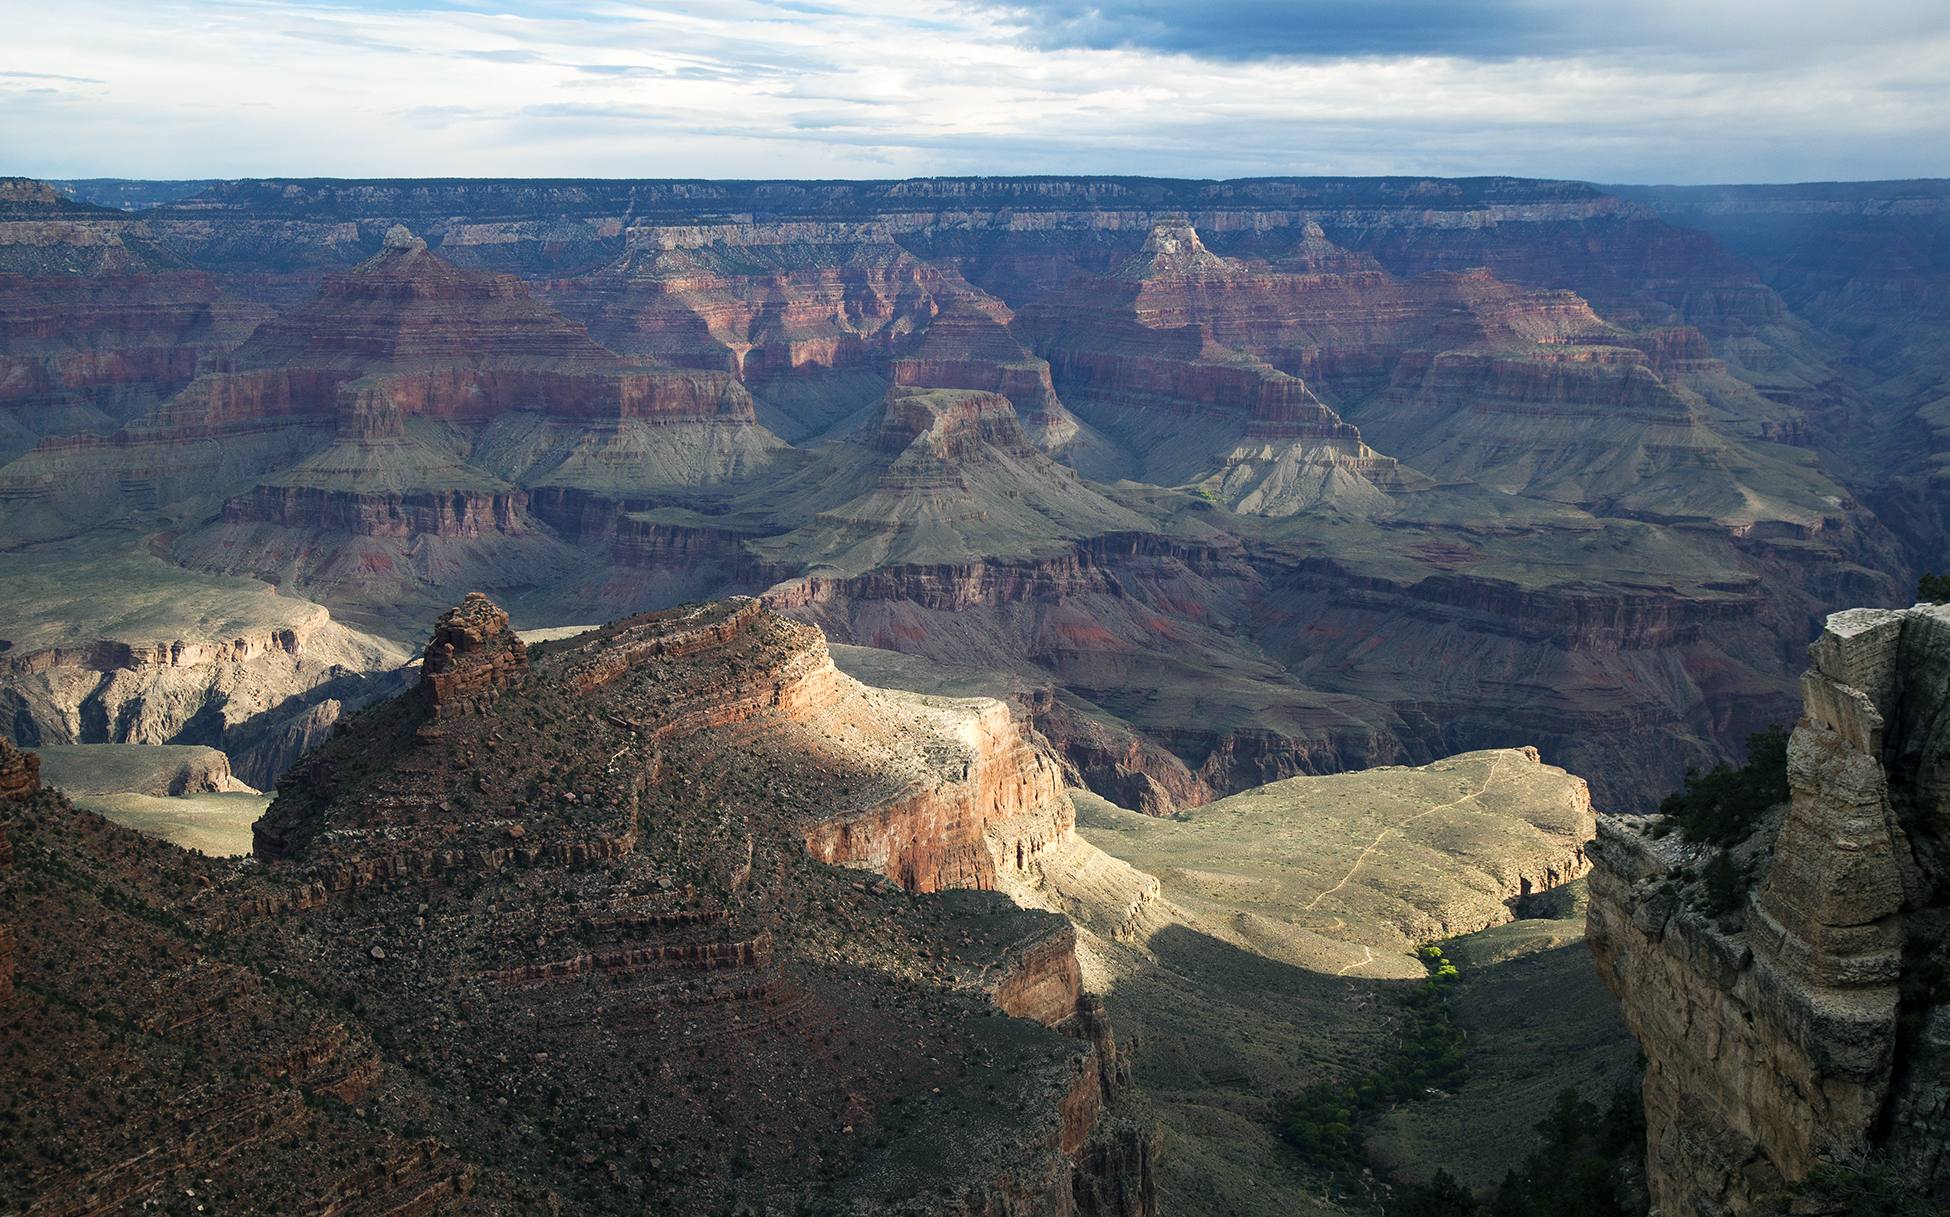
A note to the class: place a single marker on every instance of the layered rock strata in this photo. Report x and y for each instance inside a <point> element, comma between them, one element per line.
<point>472,658</point>
<point>98,323</point>
<point>719,762</point>
<point>20,773</point>
<point>152,667</point>
<point>1792,1028</point>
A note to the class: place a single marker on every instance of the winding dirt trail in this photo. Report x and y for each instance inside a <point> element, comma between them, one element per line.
<point>1381,836</point>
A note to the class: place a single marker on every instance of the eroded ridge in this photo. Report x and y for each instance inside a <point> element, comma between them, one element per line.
<point>565,889</point>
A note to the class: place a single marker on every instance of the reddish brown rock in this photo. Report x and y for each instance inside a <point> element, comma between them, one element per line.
<point>661,779</point>
<point>20,775</point>
<point>760,301</point>
<point>472,658</point>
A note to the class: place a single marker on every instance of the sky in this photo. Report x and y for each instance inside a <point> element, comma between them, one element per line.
<point>1661,91</point>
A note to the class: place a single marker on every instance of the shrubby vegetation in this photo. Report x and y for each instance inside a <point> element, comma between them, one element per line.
<point>1862,1189</point>
<point>1722,806</point>
<point>1933,587</point>
<point>1588,1166</point>
<point>1323,1126</point>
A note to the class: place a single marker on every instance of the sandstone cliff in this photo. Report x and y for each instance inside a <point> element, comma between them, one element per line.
<point>1796,1022</point>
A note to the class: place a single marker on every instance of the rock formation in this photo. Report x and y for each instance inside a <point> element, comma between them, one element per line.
<point>154,770</point>
<point>170,658</point>
<point>1799,1022</point>
<point>20,773</point>
<point>471,659</point>
<point>98,323</point>
<point>547,916</point>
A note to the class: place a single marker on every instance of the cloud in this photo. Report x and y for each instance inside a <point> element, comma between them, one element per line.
<point>1261,29</point>
<point>87,80</point>
<point>758,88</point>
<point>1758,30</point>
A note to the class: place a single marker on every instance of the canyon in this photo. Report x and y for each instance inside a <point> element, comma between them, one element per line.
<point>1252,479</point>
<point>1251,580</point>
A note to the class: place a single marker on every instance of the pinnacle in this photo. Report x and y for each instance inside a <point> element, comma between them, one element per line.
<point>400,239</point>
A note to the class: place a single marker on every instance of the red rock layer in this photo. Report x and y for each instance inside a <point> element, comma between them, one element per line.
<point>20,775</point>
<point>760,302</point>
<point>950,428</point>
<point>405,309</point>
<point>437,513</point>
<point>1595,382</point>
<point>968,346</point>
<point>932,836</point>
<point>471,659</point>
<point>73,333</point>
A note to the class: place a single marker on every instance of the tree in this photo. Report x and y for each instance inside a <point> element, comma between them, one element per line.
<point>1723,806</point>
<point>1441,1196</point>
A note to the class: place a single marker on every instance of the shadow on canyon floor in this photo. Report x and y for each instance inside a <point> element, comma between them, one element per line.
<point>1222,1040</point>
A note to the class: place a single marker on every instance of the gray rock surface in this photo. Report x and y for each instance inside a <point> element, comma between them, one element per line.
<point>1780,1033</point>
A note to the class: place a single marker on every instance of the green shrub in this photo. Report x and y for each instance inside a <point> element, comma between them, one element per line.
<point>1440,1197</point>
<point>1323,1122</point>
<point>1866,1189</point>
<point>1721,807</point>
<point>1933,587</point>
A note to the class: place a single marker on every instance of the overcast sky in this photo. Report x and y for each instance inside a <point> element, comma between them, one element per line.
<point>1658,91</point>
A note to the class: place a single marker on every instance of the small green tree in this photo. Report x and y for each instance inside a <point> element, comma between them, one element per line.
<point>1722,806</point>
<point>1933,587</point>
<point>1440,1197</point>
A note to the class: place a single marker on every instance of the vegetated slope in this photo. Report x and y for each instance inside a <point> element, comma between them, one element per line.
<point>1339,427</point>
<point>558,924</point>
<point>1261,946</point>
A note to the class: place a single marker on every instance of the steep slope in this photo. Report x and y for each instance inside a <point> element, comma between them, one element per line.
<point>1790,1009</point>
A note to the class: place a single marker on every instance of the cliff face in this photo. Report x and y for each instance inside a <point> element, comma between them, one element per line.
<point>20,775</point>
<point>151,667</point>
<point>1793,1027</point>
<point>705,767</point>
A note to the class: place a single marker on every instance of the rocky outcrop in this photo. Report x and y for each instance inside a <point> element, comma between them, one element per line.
<point>261,695</point>
<point>472,658</point>
<point>678,763</point>
<point>1798,1024</point>
<point>20,772</point>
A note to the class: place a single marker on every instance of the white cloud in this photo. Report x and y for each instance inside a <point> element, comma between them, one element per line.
<point>883,88</point>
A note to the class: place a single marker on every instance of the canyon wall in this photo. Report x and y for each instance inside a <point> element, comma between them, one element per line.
<point>1797,1020</point>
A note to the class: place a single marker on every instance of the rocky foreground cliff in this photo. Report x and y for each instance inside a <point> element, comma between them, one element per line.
<point>634,921</point>
<point>1790,996</point>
